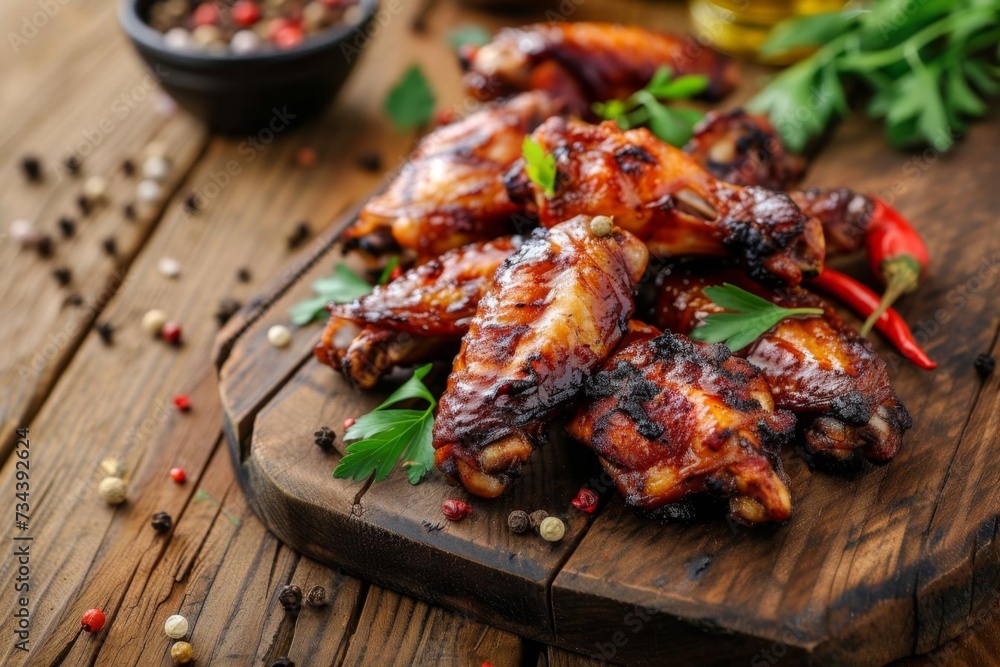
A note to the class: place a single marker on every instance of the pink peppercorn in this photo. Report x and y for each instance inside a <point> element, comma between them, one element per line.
<point>246,13</point>
<point>455,510</point>
<point>585,501</point>
<point>171,332</point>
<point>93,620</point>
<point>205,14</point>
<point>182,402</point>
<point>178,475</point>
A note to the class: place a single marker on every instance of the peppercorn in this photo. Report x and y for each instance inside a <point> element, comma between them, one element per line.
<point>552,529</point>
<point>455,510</point>
<point>178,475</point>
<point>153,321</point>
<point>279,336</point>
<point>84,205</point>
<point>106,332</point>
<point>72,164</point>
<point>299,235</point>
<point>44,246</point>
<point>181,653</point>
<point>182,402</point>
<point>128,167</point>
<point>32,168</point>
<point>148,191</point>
<point>176,626</point>
<point>110,246</point>
<point>171,333</point>
<point>325,438</point>
<point>73,299</point>
<point>156,168</point>
<point>585,501</point>
<point>306,157</point>
<point>169,267</point>
<point>316,597</point>
<point>984,365</point>
<point>290,597</point>
<point>130,212</point>
<point>243,275</point>
<point>63,276</point>
<point>537,517</point>
<point>519,521</point>
<point>113,490</point>
<point>24,232</point>
<point>95,189</point>
<point>282,662</point>
<point>162,523</point>
<point>67,226</point>
<point>370,161</point>
<point>192,204</point>
<point>601,225</point>
<point>227,308</point>
<point>93,620</point>
<point>348,423</point>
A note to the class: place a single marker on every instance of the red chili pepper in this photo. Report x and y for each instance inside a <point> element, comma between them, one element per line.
<point>866,302</point>
<point>897,254</point>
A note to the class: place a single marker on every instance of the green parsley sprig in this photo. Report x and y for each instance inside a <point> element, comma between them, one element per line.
<point>410,103</point>
<point>747,317</point>
<point>343,286</point>
<point>645,107</point>
<point>540,166</point>
<point>382,437</point>
<point>927,66</point>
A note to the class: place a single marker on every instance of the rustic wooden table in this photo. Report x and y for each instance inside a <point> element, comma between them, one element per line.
<point>70,84</point>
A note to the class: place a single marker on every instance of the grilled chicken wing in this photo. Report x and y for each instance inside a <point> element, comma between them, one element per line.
<point>588,62</point>
<point>419,316</point>
<point>845,215</point>
<point>664,197</point>
<point>817,367</point>
<point>450,192</point>
<point>559,306</point>
<point>671,418</point>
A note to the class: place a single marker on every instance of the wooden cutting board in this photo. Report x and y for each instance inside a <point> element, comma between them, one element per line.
<point>886,563</point>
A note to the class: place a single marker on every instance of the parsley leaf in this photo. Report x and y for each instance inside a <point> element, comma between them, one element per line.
<point>747,317</point>
<point>411,101</point>
<point>383,436</point>
<point>386,274</point>
<point>343,286</point>
<point>540,166</point>
<point>471,34</point>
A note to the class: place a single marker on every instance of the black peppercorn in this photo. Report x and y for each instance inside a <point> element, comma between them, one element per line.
<point>290,597</point>
<point>519,521</point>
<point>72,164</point>
<point>128,167</point>
<point>984,365</point>
<point>129,212</point>
<point>282,662</point>
<point>63,276</point>
<point>325,438</point>
<point>192,204</point>
<point>299,235</point>
<point>162,522</point>
<point>73,299</point>
<point>106,332</point>
<point>32,168</point>
<point>370,161</point>
<point>227,308</point>
<point>84,205</point>
<point>243,275</point>
<point>316,597</point>
<point>67,226</point>
<point>537,517</point>
<point>44,246</point>
<point>110,246</point>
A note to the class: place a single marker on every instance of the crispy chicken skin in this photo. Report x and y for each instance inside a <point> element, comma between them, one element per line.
<point>419,316</point>
<point>588,62</point>
<point>670,418</point>
<point>664,197</point>
<point>817,367</point>
<point>559,306</point>
<point>450,191</point>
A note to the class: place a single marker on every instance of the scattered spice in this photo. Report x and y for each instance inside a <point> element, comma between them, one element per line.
<point>93,620</point>
<point>113,490</point>
<point>243,275</point>
<point>306,157</point>
<point>110,246</point>
<point>279,336</point>
<point>585,501</point>
<point>44,246</point>
<point>73,299</point>
<point>324,438</point>
<point>282,662</point>
<point>130,212</point>
<point>176,626</point>
<point>23,231</point>
<point>95,189</point>
<point>72,164</point>
<point>349,422</point>
<point>227,308</point>
<point>128,167</point>
<point>601,225</point>
<point>552,529</point>
<point>290,597</point>
<point>84,205</point>
<point>182,402</point>
<point>316,597</point>
<point>519,521</point>
<point>455,510</point>
<point>153,321</point>
<point>181,653</point>
<point>63,276</point>
<point>156,168</point>
<point>162,523</point>
<point>67,226</point>
<point>178,475</point>
<point>192,204</point>
<point>299,235</point>
<point>537,517</point>
<point>106,332</point>
<point>32,168</point>
<point>984,365</point>
<point>171,333</point>
<point>148,191</point>
<point>169,267</point>
<point>370,161</point>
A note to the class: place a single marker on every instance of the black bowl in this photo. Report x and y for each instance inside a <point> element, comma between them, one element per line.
<point>246,93</point>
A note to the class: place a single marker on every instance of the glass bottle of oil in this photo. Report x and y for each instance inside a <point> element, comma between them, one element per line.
<point>741,26</point>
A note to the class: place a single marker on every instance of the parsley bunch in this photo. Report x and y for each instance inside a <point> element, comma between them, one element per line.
<point>645,107</point>
<point>927,66</point>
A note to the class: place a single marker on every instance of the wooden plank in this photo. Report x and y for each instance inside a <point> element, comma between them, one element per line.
<point>398,631</point>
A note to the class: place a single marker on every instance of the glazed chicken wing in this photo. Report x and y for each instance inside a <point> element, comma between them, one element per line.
<point>588,62</point>
<point>846,216</point>
<point>450,192</point>
<point>419,316</point>
<point>664,197</point>
<point>559,306</point>
<point>817,367</point>
<point>671,418</point>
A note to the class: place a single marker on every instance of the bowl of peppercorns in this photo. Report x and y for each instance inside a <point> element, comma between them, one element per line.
<point>246,66</point>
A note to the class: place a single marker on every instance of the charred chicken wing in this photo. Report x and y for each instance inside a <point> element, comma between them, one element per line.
<point>664,197</point>
<point>817,367</point>
<point>559,306</point>
<point>588,62</point>
<point>671,418</point>
<point>450,192</point>
<point>419,316</point>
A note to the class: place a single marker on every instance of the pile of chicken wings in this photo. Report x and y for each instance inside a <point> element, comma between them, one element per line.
<point>575,307</point>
